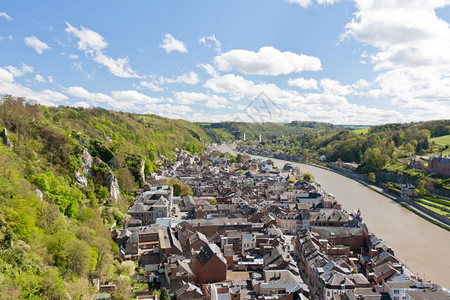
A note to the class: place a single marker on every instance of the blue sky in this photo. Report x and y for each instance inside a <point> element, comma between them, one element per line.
<point>346,62</point>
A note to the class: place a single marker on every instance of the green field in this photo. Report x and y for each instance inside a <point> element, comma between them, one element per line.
<point>436,210</point>
<point>442,141</point>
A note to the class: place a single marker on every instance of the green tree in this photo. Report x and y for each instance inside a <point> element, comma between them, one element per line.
<point>421,188</point>
<point>123,288</point>
<point>308,176</point>
<point>164,294</point>
<point>371,177</point>
<point>127,268</point>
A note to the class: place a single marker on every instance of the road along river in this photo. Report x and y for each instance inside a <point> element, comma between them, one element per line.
<point>422,246</point>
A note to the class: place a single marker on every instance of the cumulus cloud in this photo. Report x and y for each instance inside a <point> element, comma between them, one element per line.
<point>303,3</point>
<point>330,104</point>
<point>210,42</point>
<point>127,100</point>
<point>211,100</point>
<point>38,45</point>
<point>151,86</point>
<point>17,72</point>
<point>267,61</point>
<point>307,3</point>
<point>5,15</point>
<point>44,97</point>
<point>170,44</point>
<point>412,57</point>
<point>208,69</point>
<point>93,44</point>
<point>306,84</point>
<point>41,79</point>
<point>334,87</point>
<point>190,78</point>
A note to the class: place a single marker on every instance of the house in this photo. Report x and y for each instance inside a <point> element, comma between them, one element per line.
<point>281,283</point>
<point>189,291</point>
<point>439,164</point>
<point>336,285</point>
<point>152,204</point>
<point>188,203</point>
<point>210,264</point>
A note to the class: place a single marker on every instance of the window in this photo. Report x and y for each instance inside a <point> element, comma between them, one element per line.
<point>396,292</point>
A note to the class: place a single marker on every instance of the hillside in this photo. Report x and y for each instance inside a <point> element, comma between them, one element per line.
<point>86,164</point>
<point>385,150</point>
<point>229,131</point>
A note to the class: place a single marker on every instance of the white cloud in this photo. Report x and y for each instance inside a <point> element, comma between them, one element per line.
<point>329,105</point>
<point>39,78</point>
<point>93,98</point>
<point>267,61</point>
<point>151,86</point>
<point>93,44</point>
<point>412,56</point>
<point>134,97</point>
<point>327,2</point>
<point>307,3</point>
<point>306,84</point>
<point>38,45</point>
<point>129,100</point>
<point>208,69</point>
<point>73,56</point>
<point>190,78</point>
<point>334,87</point>
<point>20,72</point>
<point>6,76</point>
<point>44,97</point>
<point>5,15</point>
<point>303,3</point>
<point>89,40</point>
<point>211,41</point>
<point>169,44</point>
<point>212,101</point>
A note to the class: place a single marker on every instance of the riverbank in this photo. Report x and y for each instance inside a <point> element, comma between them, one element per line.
<point>415,208</point>
<point>411,206</point>
<point>421,245</point>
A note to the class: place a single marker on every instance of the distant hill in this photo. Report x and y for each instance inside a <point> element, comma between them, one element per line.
<point>229,131</point>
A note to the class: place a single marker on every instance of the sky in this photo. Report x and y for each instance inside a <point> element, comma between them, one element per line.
<point>345,62</point>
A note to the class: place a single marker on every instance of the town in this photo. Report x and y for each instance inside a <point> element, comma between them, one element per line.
<point>253,231</point>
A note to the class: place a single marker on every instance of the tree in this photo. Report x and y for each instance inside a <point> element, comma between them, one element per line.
<point>126,180</point>
<point>127,268</point>
<point>371,177</point>
<point>421,188</point>
<point>409,148</point>
<point>308,176</point>
<point>123,288</point>
<point>164,294</point>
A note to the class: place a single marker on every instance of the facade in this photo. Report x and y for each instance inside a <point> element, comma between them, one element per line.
<point>152,204</point>
<point>210,265</point>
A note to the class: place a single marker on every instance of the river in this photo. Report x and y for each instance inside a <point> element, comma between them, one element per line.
<point>422,246</point>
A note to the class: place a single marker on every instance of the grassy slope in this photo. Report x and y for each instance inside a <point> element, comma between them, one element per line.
<point>442,141</point>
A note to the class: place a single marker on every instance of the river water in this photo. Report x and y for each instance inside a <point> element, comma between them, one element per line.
<point>422,246</point>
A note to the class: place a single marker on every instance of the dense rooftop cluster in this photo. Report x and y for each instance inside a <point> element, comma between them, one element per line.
<point>253,231</point>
